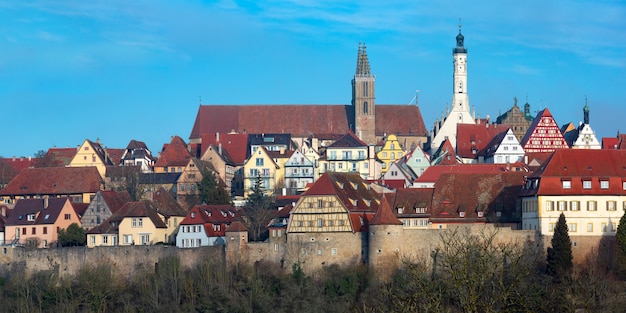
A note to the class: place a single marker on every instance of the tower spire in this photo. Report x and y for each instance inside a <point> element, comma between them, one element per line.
<point>362,63</point>
<point>586,112</point>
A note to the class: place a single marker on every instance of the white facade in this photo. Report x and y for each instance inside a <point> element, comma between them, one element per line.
<point>586,139</point>
<point>509,150</point>
<point>460,111</point>
<point>192,236</point>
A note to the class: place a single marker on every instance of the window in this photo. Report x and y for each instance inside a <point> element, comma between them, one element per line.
<point>92,239</point>
<point>275,247</point>
<point>567,184</point>
<point>586,184</point>
<point>45,230</point>
<point>333,251</point>
<point>105,240</point>
<point>34,231</point>
<point>259,161</point>
<point>141,222</point>
<point>320,223</point>
<point>551,227</point>
<point>320,204</point>
<point>30,217</point>
<point>604,184</point>
<point>591,205</point>
<point>319,251</point>
<point>562,206</point>
<point>44,244</point>
<point>340,222</point>
<point>589,227</point>
<point>603,227</point>
<point>193,214</point>
<point>572,227</point>
<point>549,206</point>
<point>624,185</point>
<point>23,231</point>
<point>133,222</point>
<point>273,232</point>
<point>128,239</point>
<point>574,205</point>
<point>611,205</point>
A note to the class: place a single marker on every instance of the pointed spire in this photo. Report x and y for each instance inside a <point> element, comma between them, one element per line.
<point>383,215</point>
<point>586,112</point>
<point>362,63</point>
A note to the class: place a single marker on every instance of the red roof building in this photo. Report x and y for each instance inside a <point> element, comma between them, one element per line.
<point>543,135</point>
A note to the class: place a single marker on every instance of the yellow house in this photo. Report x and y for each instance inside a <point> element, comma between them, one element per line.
<point>391,152</point>
<point>140,223</point>
<point>260,165</point>
<point>92,154</point>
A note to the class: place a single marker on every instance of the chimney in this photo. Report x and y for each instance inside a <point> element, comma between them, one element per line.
<point>219,148</point>
<point>45,202</point>
<point>217,137</point>
<point>4,211</point>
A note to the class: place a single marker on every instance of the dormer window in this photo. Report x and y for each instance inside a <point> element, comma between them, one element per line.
<point>462,214</point>
<point>604,184</point>
<point>586,184</point>
<point>399,210</point>
<point>193,214</point>
<point>567,184</point>
<point>30,217</point>
<point>481,214</point>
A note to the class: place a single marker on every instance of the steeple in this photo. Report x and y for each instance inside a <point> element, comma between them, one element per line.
<point>362,63</point>
<point>363,98</point>
<point>459,41</point>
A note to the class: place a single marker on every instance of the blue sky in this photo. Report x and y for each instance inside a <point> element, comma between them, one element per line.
<point>122,70</point>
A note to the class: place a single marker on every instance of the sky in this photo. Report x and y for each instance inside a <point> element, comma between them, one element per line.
<point>120,70</point>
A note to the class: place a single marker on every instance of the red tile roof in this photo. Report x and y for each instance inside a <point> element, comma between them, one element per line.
<point>383,215</point>
<point>475,192</point>
<point>54,181</point>
<point>445,154</point>
<point>236,226</point>
<point>411,198</point>
<point>349,140</point>
<point>63,156</point>
<point>351,189</point>
<point>610,143</point>
<point>115,155</point>
<point>165,204</point>
<point>578,165</point>
<point>18,163</point>
<point>432,173</point>
<point>114,200</point>
<point>305,119</point>
<point>234,146</point>
<point>174,154</point>
<point>472,139</point>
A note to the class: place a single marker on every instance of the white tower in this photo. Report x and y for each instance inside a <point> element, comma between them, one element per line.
<point>460,111</point>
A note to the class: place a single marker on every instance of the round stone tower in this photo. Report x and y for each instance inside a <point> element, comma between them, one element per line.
<point>385,240</point>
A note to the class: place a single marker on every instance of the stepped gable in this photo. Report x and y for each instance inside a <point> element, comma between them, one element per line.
<point>165,204</point>
<point>175,153</point>
<point>54,181</point>
<point>383,215</point>
<point>578,165</point>
<point>306,119</point>
<point>236,226</point>
<point>352,190</point>
<point>472,139</point>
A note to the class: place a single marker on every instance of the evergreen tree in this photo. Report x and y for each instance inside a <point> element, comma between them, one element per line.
<point>210,191</point>
<point>559,256</point>
<point>258,211</point>
<point>74,235</point>
<point>620,251</point>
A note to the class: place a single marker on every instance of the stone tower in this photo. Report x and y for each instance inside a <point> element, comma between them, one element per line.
<point>363,99</point>
<point>459,113</point>
<point>385,240</point>
<point>236,244</point>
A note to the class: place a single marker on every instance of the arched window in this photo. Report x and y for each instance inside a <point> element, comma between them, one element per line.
<point>365,85</point>
<point>365,107</point>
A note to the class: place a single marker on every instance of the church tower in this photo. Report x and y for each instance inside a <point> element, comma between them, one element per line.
<point>363,99</point>
<point>459,113</point>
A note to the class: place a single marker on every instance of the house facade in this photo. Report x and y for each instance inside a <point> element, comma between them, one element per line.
<point>390,152</point>
<point>37,222</point>
<point>518,120</point>
<point>543,135</point>
<point>138,154</point>
<point>587,186</point>
<point>348,154</point>
<point>92,153</point>
<point>299,171</point>
<point>205,225</point>
<point>260,166</point>
<point>503,149</point>
<point>103,205</point>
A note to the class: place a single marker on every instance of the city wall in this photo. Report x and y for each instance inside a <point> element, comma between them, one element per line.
<point>384,248</point>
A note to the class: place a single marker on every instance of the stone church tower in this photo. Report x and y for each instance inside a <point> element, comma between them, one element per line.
<point>363,99</point>
<point>460,110</point>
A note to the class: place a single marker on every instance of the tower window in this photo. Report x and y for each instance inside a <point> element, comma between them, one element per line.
<point>365,108</point>
<point>365,88</point>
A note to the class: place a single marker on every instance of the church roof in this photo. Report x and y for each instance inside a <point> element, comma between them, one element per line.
<point>174,154</point>
<point>303,120</point>
<point>474,138</point>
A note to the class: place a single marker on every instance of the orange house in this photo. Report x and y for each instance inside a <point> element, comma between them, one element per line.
<point>37,222</point>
